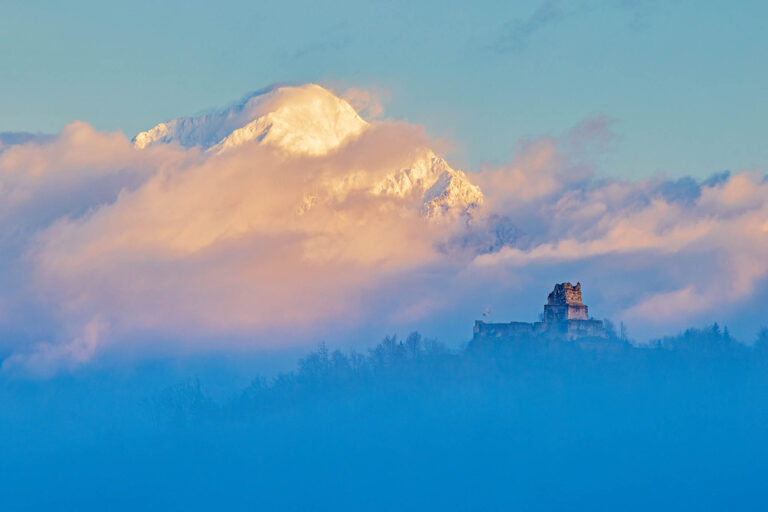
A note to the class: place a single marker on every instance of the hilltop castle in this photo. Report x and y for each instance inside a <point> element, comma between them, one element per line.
<point>564,315</point>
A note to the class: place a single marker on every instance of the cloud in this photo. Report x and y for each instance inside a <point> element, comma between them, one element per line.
<point>264,244</point>
<point>229,244</point>
<point>517,33</point>
<point>641,228</point>
<point>8,139</point>
<point>260,238</point>
<point>45,359</point>
<point>369,103</point>
<point>66,176</point>
<point>668,306</point>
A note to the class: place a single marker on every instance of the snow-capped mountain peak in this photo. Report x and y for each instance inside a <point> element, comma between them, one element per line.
<point>311,121</point>
<point>442,189</point>
<point>308,120</point>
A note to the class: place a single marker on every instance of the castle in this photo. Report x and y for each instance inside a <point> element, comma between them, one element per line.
<point>565,315</point>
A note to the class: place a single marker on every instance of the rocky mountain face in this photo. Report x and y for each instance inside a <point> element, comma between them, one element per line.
<point>311,122</point>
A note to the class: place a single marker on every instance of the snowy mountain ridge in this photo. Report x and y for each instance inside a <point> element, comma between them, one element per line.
<point>311,121</point>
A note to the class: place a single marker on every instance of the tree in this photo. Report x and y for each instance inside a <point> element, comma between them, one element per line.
<point>413,346</point>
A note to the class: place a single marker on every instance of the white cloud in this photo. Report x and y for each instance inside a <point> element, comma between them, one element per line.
<point>269,237</point>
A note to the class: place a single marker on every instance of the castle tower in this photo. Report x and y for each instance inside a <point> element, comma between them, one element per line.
<point>564,303</point>
<point>565,318</point>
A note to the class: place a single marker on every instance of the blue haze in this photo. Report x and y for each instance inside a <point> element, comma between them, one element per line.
<point>535,424</point>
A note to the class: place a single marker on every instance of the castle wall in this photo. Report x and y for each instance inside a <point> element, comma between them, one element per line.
<point>505,330</point>
<point>586,328</point>
<point>561,312</point>
<point>569,329</point>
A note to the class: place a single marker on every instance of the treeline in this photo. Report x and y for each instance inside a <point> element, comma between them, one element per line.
<point>424,368</point>
<point>526,424</point>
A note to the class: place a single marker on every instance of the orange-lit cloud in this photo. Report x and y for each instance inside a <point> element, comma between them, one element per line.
<point>288,213</point>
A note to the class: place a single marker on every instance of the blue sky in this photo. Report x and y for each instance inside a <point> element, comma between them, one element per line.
<point>683,81</point>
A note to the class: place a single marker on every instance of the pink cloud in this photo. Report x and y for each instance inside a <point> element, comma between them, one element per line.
<point>245,241</point>
<point>260,243</point>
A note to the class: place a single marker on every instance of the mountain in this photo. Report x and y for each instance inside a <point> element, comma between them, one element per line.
<point>306,120</point>
<point>443,190</point>
<point>310,121</point>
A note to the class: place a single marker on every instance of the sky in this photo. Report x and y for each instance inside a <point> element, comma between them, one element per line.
<point>202,204</point>
<point>620,144</point>
<point>684,81</point>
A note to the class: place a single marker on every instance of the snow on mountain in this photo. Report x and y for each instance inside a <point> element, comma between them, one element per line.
<point>442,189</point>
<point>452,192</point>
<point>306,120</point>
<point>311,121</point>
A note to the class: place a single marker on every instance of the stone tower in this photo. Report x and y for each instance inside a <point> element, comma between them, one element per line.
<point>565,317</point>
<point>564,303</point>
